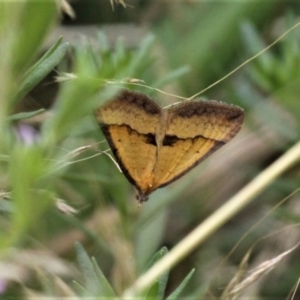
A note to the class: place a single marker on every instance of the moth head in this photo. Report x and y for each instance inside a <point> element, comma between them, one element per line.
<point>140,197</point>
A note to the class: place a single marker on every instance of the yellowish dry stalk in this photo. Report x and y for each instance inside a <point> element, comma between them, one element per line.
<point>215,221</point>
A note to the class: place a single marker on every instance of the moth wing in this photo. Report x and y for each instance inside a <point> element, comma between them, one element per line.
<point>129,123</point>
<point>195,130</point>
<point>133,109</point>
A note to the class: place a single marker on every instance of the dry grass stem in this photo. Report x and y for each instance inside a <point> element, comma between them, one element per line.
<point>256,273</point>
<point>237,277</point>
<point>66,8</point>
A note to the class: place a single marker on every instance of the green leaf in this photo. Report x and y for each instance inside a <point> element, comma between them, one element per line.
<point>25,115</point>
<point>30,190</point>
<point>142,53</point>
<point>34,21</point>
<point>80,289</point>
<point>48,54</point>
<point>255,44</point>
<point>105,286</point>
<point>87,269</point>
<point>157,256</point>
<point>120,52</point>
<point>171,77</point>
<point>40,69</point>
<point>102,41</point>
<point>153,292</point>
<point>182,285</point>
<point>162,280</point>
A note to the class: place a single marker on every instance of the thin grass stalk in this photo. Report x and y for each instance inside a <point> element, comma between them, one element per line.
<point>215,221</point>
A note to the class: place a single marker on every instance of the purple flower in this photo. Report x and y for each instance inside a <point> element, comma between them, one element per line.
<point>27,133</point>
<point>3,284</point>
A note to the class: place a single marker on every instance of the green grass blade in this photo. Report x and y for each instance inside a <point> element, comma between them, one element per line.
<point>182,285</point>
<point>39,71</point>
<point>162,281</point>
<point>87,269</point>
<point>25,115</point>
<point>106,287</point>
<point>153,292</point>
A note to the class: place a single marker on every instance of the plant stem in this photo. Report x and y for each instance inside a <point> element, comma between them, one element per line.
<point>215,221</point>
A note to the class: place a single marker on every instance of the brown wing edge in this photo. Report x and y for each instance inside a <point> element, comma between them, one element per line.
<point>199,106</point>
<point>140,100</point>
<point>232,113</point>
<point>131,97</point>
<point>105,130</point>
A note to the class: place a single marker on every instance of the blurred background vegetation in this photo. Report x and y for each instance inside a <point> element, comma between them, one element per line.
<point>55,187</point>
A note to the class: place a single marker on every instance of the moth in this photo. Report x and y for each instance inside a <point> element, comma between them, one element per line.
<point>156,146</point>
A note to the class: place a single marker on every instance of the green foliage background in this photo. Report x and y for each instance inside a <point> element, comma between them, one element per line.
<point>188,46</point>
